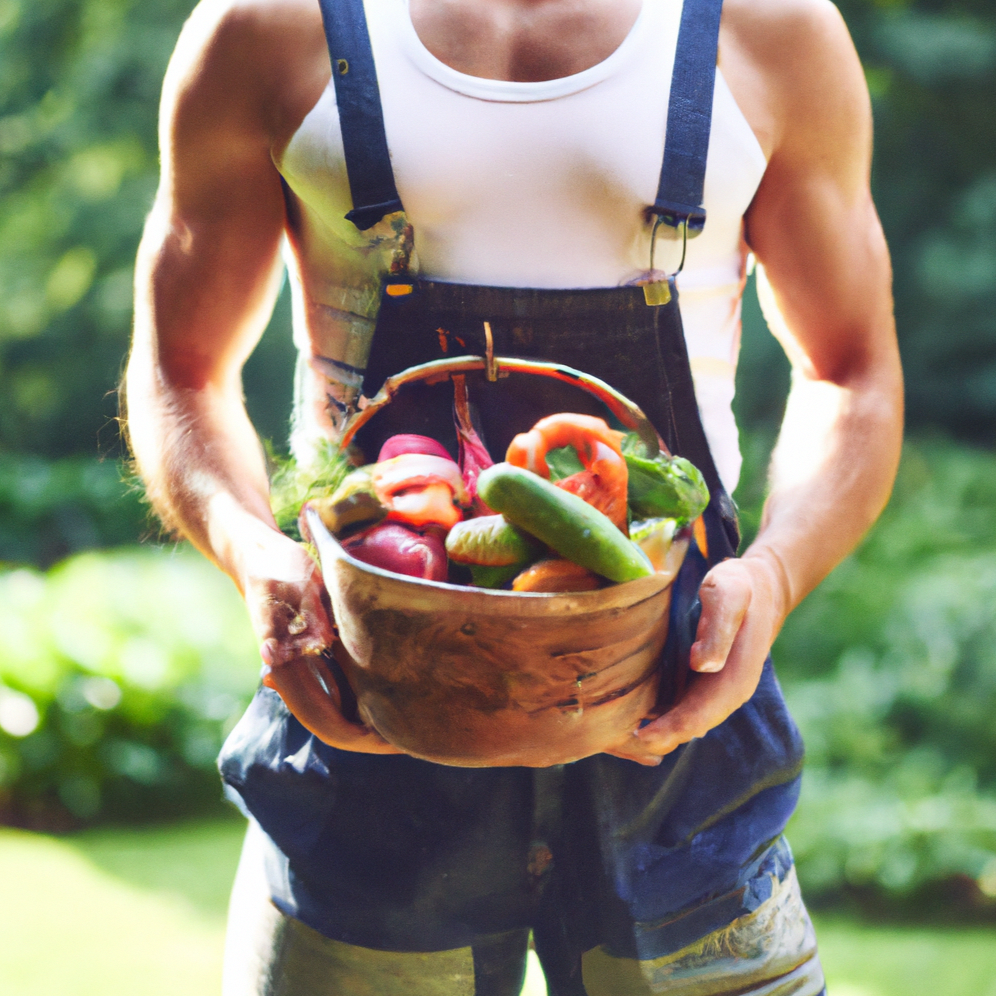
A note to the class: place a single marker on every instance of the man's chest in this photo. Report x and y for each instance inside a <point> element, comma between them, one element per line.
<point>510,42</point>
<point>523,40</point>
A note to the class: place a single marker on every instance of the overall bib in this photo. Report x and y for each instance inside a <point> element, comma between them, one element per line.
<point>678,870</point>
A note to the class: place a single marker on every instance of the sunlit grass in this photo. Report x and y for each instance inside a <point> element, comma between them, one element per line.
<point>115,913</point>
<point>864,960</point>
<point>120,912</point>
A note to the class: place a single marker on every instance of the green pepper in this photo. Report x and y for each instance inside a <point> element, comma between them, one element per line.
<point>662,486</point>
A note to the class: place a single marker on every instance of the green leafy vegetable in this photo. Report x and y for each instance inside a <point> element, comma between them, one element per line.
<point>291,485</point>
<point>563,462</point>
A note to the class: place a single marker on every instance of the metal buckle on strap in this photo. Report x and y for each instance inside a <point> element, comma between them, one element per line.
<point>681,226</point>
<point>657,291</point>
<point>690,222</point>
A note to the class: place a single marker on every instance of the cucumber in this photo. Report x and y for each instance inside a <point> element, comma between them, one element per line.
<point>482,576</point>
<point>563,521</point>
<point>492,541</point>
<point>493,549</point>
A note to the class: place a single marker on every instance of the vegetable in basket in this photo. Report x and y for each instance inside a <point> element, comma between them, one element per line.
<point>563,521</point>
<point>662,486</point>
<point>394,548</point>
<point>353,506</point>
<point>603,481</point>
<point>655,537</point>
<point>493,549</point>
<point>396,513</point>
<point>410,442</point>
<point>474,456</point>
<point>417,488</point>
<point>555,574</point>
<point>420,489</point>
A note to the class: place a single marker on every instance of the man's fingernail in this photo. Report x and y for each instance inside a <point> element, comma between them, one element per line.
<point>710,667</point>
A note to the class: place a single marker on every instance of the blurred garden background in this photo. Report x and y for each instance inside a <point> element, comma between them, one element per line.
<point>125,660</point>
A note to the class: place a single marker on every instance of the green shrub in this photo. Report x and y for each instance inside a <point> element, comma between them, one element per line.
<point>51,509</point>
<point>79,90</point>
<point>120,673</point>
<point>890,670</point>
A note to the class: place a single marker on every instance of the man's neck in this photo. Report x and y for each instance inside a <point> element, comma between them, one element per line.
<point>523,40</point>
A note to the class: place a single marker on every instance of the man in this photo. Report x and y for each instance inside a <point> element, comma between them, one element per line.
<point>520,134</point>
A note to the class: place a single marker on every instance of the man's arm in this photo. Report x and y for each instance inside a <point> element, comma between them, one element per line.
<point>826,291</point>
<point>207,274</point>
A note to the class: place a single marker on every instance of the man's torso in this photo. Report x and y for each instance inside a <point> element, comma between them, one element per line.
<point>597,156</point>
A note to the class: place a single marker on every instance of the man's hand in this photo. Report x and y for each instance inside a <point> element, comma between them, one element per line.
<point>289,610</point>
<point>743,606</point>
<point>286,599</point>
<point>310,692</point>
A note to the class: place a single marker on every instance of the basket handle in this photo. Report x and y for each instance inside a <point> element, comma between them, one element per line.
<point>628,413</point>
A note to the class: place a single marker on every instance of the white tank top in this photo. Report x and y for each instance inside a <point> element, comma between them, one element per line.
<point>523,185</point>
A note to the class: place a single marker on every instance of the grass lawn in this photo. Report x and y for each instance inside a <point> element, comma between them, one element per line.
<point>122,912</point>
<point>115,912</point>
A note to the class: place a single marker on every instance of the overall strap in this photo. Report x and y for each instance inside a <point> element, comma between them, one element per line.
<point>679,205</point>
<point>361,119</point>
<point>689,117</point>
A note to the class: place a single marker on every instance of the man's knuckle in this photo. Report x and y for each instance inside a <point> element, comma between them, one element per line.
<point>686,727</point>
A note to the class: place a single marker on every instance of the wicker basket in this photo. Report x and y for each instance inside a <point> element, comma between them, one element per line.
<point>477,677</point>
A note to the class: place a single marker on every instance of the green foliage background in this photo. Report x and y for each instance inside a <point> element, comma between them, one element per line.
<point>79,83</point>
<point>135,663</point>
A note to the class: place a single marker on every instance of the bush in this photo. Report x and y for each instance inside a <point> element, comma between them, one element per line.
<point>51,509</point>
<point>890,670</point>
<point>79,89</point>
<point>120,674</point>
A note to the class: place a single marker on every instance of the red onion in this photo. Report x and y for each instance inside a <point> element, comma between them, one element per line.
<point>392,547</point>
<point>411,443</point>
